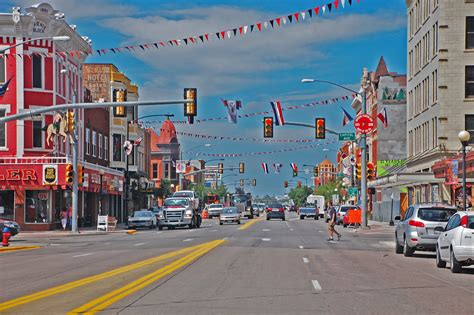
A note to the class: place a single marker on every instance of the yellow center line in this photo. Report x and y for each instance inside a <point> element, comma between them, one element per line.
<point>71,285</point>
<point>249,223</point>
<point>101,303</point>
<point>17,248</point>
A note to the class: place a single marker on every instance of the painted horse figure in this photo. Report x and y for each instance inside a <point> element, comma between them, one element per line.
<point>58,128</point>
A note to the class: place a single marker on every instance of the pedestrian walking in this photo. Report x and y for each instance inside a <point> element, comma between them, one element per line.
<point>332,224</point>
<point>64,218</point>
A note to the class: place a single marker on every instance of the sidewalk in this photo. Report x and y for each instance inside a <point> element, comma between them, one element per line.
<point>85,231</point>
<point>375,227</point>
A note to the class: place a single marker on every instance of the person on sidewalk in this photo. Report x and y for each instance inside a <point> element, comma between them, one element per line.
<point>332,224</point>
<point>64,218</point>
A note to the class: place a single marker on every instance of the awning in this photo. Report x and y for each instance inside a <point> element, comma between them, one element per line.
<point>404,179</point>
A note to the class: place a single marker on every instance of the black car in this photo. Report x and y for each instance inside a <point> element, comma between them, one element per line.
<point>276,211</point>
<point>11,225</point>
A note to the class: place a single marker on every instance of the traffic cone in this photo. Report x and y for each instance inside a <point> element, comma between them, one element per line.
<point>6,237</point>
<point>205,214</point>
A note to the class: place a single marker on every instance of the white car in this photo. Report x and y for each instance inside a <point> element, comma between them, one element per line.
<point>456,243</point>
<point>214,210</point>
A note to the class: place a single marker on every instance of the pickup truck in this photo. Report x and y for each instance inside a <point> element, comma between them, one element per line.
<point>179,212</point>
<point>309,212</point>
<point>191,195</point>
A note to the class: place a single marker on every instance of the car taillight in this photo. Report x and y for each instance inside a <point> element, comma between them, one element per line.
<point>464,221</point>
<point>416,223</point>
<point>338,214</point>
<point>269,209</point>
<point>280,209</point>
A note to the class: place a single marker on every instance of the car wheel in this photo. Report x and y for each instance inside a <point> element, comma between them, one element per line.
<point>344,225</point>
<point>238,222</point>
<point>301,217</point>
<point>407,250</point>
<point>398,247</point>
<point>439,262</point>
<point>160,228</point>
<point>251,217</point>
<point>455,265</point>
<point>316,217</point>
<point>268,218</point>
<point>283,219</point>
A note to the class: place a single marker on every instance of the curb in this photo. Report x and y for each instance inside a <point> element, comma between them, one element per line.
<point>17,248</point>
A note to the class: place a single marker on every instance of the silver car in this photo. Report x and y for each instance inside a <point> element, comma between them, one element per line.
<point>142,218</point>
<point>421,227</point>
<point>214,210</point>
<point>229,215</point>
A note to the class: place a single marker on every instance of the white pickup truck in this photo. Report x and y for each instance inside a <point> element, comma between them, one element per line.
<point>191,195</point>
<point>317,202</point>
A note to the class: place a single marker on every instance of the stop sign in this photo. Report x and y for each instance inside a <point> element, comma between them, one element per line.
<point>364,123</point>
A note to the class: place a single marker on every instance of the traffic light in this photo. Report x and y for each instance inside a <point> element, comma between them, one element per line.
<point>285,184</point>
<point>359,171</point>
<point>320,128</point>
<point>370,170</point>
<point>190,107</point>
<point>70,121</point>
<point>242,183</point>
<point>299,184</point>
<point>69,174</point>
<point>220,168</point>
<point>119,111</point>
<point>268,127</point>
<point>80,173</point>
<point>254,182</point>
<point>316,171</point>
<point>241,168</point>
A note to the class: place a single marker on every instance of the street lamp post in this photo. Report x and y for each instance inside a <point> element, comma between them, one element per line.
<point>363,140</point>
<point>101,174</point>
<point>464,137</point>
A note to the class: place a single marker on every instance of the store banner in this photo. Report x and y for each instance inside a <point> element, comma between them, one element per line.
<point>451,175</point>
<point>50,174</point>
<point>180,167</point>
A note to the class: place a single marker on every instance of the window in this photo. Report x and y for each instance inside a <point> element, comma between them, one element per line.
<point>7,204</point>
<point>106,148</point>
<point>94,143</point>
<point>88,141</point>
<point>37,71</point>
<point>37,206</point>
<point>454,222</point>
<point>3,131</point>
<point>37,134</point>
<point>155,171</point>
<point>117,148</point>
<point>3,70</point>
<point>469,126</point>
<point>166,168</point>
<point>470,32</point>
<point>469,81</point>
<point>100,146</point>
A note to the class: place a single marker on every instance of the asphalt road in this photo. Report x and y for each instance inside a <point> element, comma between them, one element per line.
<point>262,267</point>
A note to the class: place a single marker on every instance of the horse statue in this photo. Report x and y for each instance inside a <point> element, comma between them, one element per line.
<point>58,128</point>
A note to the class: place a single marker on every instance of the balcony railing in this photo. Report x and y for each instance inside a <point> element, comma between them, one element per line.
<point>34,160</point>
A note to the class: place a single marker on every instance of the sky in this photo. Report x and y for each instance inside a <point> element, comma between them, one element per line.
<point>256,69</point>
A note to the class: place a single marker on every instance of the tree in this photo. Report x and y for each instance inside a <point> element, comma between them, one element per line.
<point>299,194</point>
<point>164,190</point>
<point>329,189</point>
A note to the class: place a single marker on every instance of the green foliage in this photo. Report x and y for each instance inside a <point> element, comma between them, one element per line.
<point>299,195</point>
<point>202,190</point>
<point>164,190</point>
<point>329,189</point>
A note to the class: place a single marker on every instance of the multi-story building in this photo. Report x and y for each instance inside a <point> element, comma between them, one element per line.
<point>440,88</point>
<point>43,73</point>
<point>327,172</point>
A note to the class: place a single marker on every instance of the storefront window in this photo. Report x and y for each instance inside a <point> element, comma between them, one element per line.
<point>7,205</point>
<point>37,206</point>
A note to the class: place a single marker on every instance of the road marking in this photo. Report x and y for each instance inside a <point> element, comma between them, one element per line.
<point>249,223</point>
<point>213,230</point>
<point>107,243</point>
<point>159,232</point>
<point>293,219</point>
<point>321,231</point>
<point>17,248</point>
<point>301,247</point>
<point>78,283</point>
<point>82,255</point>
<point>188,240</point>
<point>265,230</point>
<point>266,239</point>
<point>316,285</point>
<point>101,303</point>
<point>54,244</point>
<point>305,260</point>
<point>139,244</point>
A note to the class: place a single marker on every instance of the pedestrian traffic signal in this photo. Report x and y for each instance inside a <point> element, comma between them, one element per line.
<point>220,168</point>
<point>316,171</point>
<point>320,128</point>
<point>80,173</point>
<point>241,168</point>
<point>242,183</point>
<point>268,127</point>
<point>119,97</point>
<point>254,182</point>
<point>70,121</point>
<point>299,184</point>
<point>370,170</point>
<point>69,173</point>
<point>285,184</point>
<point>190,107</point>
<point>359,171</point>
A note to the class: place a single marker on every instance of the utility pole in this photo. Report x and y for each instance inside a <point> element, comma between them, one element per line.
<point>363,142</point>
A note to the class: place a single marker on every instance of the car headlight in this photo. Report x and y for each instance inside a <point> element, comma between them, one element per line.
<point>248,208</point>
<point>189,212</point>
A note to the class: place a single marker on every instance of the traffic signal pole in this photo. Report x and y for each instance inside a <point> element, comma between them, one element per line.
<point>75,182</point>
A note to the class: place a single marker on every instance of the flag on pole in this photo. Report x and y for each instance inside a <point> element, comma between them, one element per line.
<point>277,167</point>
<point>295,169</point>
<point>276,106</point>
<point>232,107</point>
<point>137,141</point>
<point>4,87</point>
<point>383,117</point>
<point>265,168</point>
<point>347,118</point>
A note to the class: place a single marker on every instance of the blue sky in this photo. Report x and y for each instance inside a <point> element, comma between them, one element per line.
<point>256,68</point>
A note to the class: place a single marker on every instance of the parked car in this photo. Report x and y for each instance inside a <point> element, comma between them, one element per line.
<point>142,218</point>
<point>156,211</point>
<point>214,210</point>
<point>341,211</point>
<point>456,243</point>
<point>421,227</point>
<point>229,215</point>
<point>308,212</point>
<point>12,226</point>
<point>276,210</point>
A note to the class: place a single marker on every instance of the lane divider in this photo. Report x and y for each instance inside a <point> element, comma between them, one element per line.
<point>17,248</point>
<point>101,303</point>
<point>249,224</point>
<point>78,283</point>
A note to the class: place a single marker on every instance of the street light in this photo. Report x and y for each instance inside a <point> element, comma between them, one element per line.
<point>101,174</point>
<point>363,140</point>
<point>464,136</point>
<point>53,38</point>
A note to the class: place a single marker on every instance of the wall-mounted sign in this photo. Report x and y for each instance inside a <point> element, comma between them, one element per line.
<point>39,27</point>
<point>50,174</point>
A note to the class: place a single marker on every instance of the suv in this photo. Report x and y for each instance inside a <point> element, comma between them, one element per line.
<point>421,227</point>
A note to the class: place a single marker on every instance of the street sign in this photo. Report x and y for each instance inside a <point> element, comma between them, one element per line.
<point>353,191</point>
<point>364,124</point>
<point>347,136</point>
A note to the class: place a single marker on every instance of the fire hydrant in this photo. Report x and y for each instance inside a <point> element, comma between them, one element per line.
<point>6,237</point>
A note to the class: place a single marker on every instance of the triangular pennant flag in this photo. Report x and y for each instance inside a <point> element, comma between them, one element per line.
<point>271,22</point>
<point>329,6</point>
<point>265,168</point>
<point>284,20</point>
<point>241,30</point>
<point>245,29</point>
<point>303,15</point>
<point>324,9</point>
<point>192,39</point>
<point>156,45</point>
<point>290,18</point>
<point>278,20</point>
<point>235,31</point>
<point>228,34</point>
<point>297,16</point>
<point>310,11</point>
<point>201,37</point>
<point>343,3</point>
<point>265,24</point>
<point>259,26</point>
<point>350,2</point>
<point>223,34</point>
<point>336,4</point>
<point>251,28</point>
<point>316,10</point>
<point>185,41</point>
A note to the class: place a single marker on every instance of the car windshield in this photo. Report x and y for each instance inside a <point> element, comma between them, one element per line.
<point>141,214</point>
<point>241,198</point>
<point>215,206</point>
<point>176,202</point>
<point>344,209</point>
<point>229,210</point>
<point>435,214</point>
<point>275,205</point>
<point>183,194</point>
<point>307,209</point>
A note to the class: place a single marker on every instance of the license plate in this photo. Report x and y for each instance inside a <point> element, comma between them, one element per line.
<point>275,210</point>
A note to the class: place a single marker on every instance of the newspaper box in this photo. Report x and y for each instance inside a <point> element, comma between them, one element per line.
<point>103,223</point>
